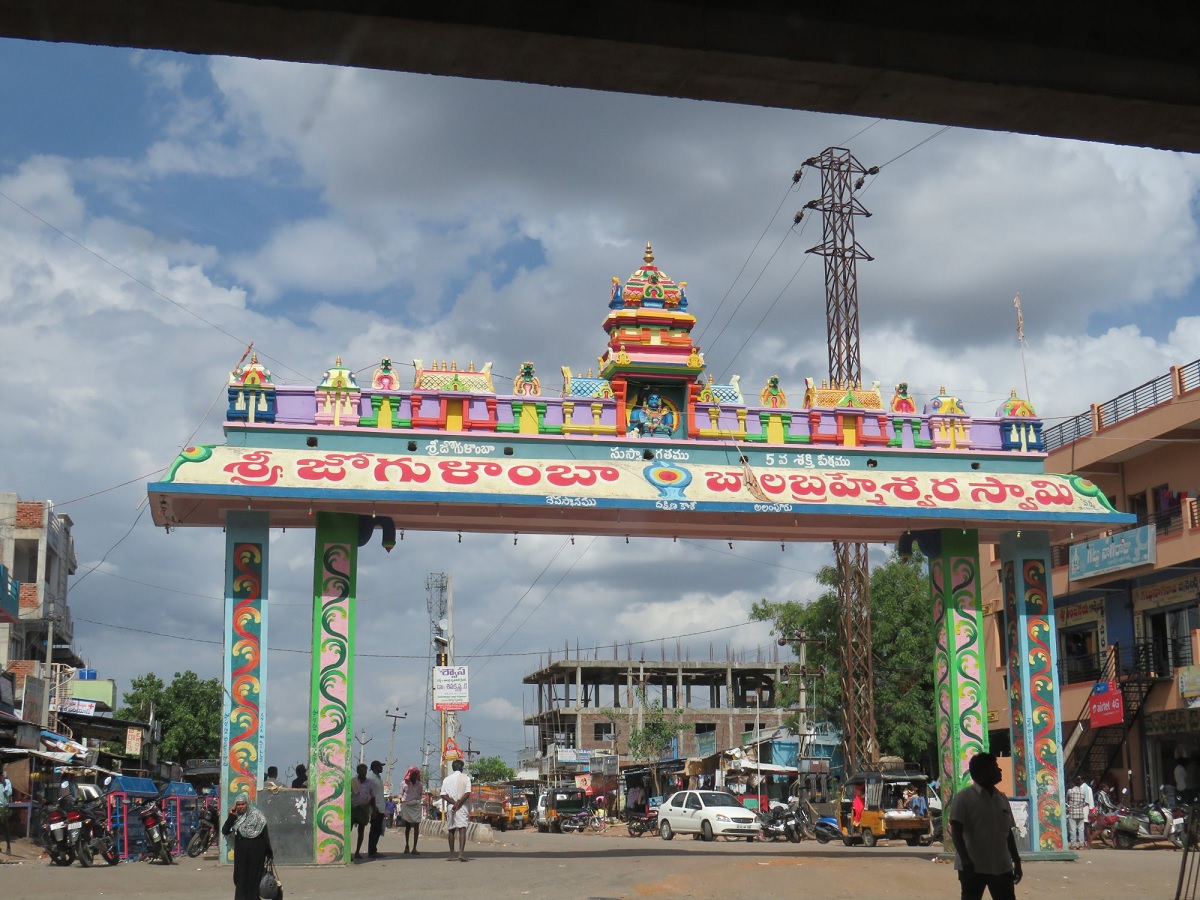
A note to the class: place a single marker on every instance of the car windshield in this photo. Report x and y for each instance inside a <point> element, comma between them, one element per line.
<point>718,798</point>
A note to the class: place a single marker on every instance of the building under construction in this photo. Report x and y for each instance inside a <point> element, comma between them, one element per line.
<point>593,704</point>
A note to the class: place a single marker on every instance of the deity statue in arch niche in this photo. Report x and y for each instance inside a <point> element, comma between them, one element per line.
<point>653,416</point>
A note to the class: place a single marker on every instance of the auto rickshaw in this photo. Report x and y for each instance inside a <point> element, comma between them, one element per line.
<point>894,805</point>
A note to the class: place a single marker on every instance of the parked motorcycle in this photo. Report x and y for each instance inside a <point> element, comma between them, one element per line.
<point>780,823</point>
<point>160,835</point>
<point>1158,822</point>
<point>1102,820</point>
<point>60,834</point>
<point>95,837</point>
<point>206,832</point>
<point>640,823</point>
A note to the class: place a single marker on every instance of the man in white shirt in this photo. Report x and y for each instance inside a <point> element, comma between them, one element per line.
<point>378,809</point>
<point>982,825</point>
<point>6,796</point>
<point>456,791</point>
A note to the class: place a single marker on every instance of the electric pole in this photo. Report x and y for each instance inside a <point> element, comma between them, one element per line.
<point>362,740</point>
<point>395,717</point>
<point>841,175</point>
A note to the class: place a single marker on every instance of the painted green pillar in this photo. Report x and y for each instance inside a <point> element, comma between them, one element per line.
<point>335,573</point>
<point>960,691</point>
<point>243,720</point>
<point>1033,686</point>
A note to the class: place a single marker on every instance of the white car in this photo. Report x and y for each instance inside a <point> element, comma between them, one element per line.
<point>710,814</point>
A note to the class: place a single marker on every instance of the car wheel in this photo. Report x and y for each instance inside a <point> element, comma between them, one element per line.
<point>665,830</point>
<point>868,838</point>
<point>706,832</point>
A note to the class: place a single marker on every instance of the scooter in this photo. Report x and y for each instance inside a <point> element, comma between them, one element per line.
<point>206,832</point>
<point>826,829</point>
<point>160,836</point>
<point>1157,823</point>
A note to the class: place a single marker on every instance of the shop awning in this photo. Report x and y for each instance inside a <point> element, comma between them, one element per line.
<point>64,759</point>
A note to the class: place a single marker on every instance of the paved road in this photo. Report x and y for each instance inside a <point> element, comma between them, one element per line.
<point>530,866</point>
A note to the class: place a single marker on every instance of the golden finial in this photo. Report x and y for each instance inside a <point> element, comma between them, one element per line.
<point>943,390</point>
<point>471,366</point>
<point>649,257</point>
<point>338,363</point>
<point>453,365</point>
<point>589,375</point>
<point>254,361</point>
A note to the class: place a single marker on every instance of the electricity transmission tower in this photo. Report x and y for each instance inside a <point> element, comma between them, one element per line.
<point>841,175</point>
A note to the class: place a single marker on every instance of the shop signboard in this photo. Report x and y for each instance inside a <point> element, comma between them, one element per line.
<point>450,692</point>
<point>1189,681</point>
<point>1107,706</point>
<point>133,742</point>
<point>1113,553</point>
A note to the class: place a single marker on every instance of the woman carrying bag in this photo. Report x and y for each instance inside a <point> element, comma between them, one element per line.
<point>246,826</point>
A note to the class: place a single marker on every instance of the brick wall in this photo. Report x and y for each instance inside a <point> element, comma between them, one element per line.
<point>20,668</point>
<point>29,596</point>
<point>30,514</point>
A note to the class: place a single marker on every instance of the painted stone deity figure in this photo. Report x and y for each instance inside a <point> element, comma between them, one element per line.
<point>653,417</point>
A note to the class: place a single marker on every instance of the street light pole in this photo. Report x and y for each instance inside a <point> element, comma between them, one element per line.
<point>395,717</point>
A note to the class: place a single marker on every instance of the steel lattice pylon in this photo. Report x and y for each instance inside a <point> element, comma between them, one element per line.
<point>841,175</point>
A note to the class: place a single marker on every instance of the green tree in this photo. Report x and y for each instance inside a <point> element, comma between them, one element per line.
<point>902,660</point>
<point>187,712</point>
<point>491,769</point>
<point>654,734</point>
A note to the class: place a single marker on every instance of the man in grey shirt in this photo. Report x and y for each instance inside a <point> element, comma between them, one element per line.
<point>982,824</point>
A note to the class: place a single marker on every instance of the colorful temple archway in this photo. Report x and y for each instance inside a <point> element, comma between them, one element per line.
<point>645,445</point>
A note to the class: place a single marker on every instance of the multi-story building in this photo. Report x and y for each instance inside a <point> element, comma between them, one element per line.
<point>1126,605</point>
<point>38,551</point>
<point>592,705</point>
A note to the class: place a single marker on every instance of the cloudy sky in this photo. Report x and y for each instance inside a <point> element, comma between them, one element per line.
<point>158,212</point>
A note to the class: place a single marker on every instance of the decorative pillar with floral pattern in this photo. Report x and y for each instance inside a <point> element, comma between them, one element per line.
<point>1033,685</point>
<point>243,731</point>
<point>960,693</point>
<point>334,584</point>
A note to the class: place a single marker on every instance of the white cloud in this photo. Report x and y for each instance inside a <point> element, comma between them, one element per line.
<point>394,200</point>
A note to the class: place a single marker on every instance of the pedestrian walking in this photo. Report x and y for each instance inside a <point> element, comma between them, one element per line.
<point>410,807</point>
<point>982,825</point>
<point>456,791</point>
<point>1077,813</point>
<point>378,808</point>
<point>247,826</point>
<point>362,800</point>
<point>6,796</point>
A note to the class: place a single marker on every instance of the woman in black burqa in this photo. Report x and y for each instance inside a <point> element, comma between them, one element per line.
<point>247,828</point>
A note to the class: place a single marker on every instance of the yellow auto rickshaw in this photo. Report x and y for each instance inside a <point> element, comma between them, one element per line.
<point>889,805</point>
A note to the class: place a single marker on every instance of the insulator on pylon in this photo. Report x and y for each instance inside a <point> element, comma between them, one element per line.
<point>798,217</point>
<point>797,175</point>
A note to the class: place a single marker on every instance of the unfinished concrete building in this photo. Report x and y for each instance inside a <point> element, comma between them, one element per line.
<point>593,704</point>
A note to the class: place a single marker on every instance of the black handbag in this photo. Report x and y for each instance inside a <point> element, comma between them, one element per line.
<point>269,886</point>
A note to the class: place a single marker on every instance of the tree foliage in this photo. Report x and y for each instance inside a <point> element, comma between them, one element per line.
<point>652,738</point>
<point>490,769</point>
<point>902,661</point>
<point>187,711</point>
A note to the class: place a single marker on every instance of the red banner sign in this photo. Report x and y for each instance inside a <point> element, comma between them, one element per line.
<point>1107,708</point>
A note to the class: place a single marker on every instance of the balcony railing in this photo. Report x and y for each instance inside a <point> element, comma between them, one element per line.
<point>1156,658</point>
<point>1147,396</point>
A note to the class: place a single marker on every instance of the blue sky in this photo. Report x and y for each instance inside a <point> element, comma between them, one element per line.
<point>161,211</point>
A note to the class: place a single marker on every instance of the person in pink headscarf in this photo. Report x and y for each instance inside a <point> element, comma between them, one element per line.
<point>410,807</point>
